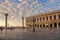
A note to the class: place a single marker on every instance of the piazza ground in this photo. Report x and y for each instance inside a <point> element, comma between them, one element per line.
<point>28,34</point>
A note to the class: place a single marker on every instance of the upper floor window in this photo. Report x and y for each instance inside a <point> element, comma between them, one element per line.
<point>40,19</point>
<point>34,20</point>
<point>54,16</point>
<point>59,16</point>
<point>37,19</point>
<point>50,17</point>
<point>46,18</point>
<point>43,18</point>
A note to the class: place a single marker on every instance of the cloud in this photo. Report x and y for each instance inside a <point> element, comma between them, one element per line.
<point>17,9</point>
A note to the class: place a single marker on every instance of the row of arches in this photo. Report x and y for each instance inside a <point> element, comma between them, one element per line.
<point>54,25</point>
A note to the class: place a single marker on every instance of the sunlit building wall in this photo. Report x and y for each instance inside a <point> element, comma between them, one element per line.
<point>50,19</point>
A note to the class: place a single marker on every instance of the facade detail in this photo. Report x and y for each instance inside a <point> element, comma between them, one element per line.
<point>50,19</point>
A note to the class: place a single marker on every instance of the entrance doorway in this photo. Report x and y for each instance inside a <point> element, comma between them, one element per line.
<point>50,25</point>
<point>44,25</point>
<point>55,25</point>
<point>40,26</point>
<point>59,24</point>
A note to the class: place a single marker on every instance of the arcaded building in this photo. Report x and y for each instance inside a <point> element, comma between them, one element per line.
<point>50,19</point>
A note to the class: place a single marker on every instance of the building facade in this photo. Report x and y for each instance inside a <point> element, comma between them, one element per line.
<point>50,19</point>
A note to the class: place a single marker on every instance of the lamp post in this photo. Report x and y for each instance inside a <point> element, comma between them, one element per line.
<point>33,25</point>
<point>6,15</point>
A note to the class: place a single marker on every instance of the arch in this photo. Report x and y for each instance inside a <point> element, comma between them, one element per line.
<point>55,25</point>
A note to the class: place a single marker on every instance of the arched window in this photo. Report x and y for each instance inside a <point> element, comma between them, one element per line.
<point>59,16</point>
<point>50,17</point>
<point>54,17</point>
<point>43,18</point>
<point>46,18</point>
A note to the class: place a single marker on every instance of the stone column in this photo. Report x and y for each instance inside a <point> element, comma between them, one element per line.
<point>23,22</point>
<point>42,25</point>
<point>57,24</point>
<point>53,25</point>
<point>6,15</point>
<point>45,25</point>
<point>49,25</point>
<point>52,17</point>
<point>57,19</point>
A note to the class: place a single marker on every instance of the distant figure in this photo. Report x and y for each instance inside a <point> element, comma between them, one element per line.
<point>23,27</point>
<point>1,29</point>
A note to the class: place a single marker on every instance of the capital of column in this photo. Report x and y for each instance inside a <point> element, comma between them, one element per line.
<point>6,14</point>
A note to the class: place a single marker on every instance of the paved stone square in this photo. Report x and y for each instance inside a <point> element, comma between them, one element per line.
<point>27,34</point>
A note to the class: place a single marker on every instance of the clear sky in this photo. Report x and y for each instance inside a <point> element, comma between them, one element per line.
<point>18,8</point>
